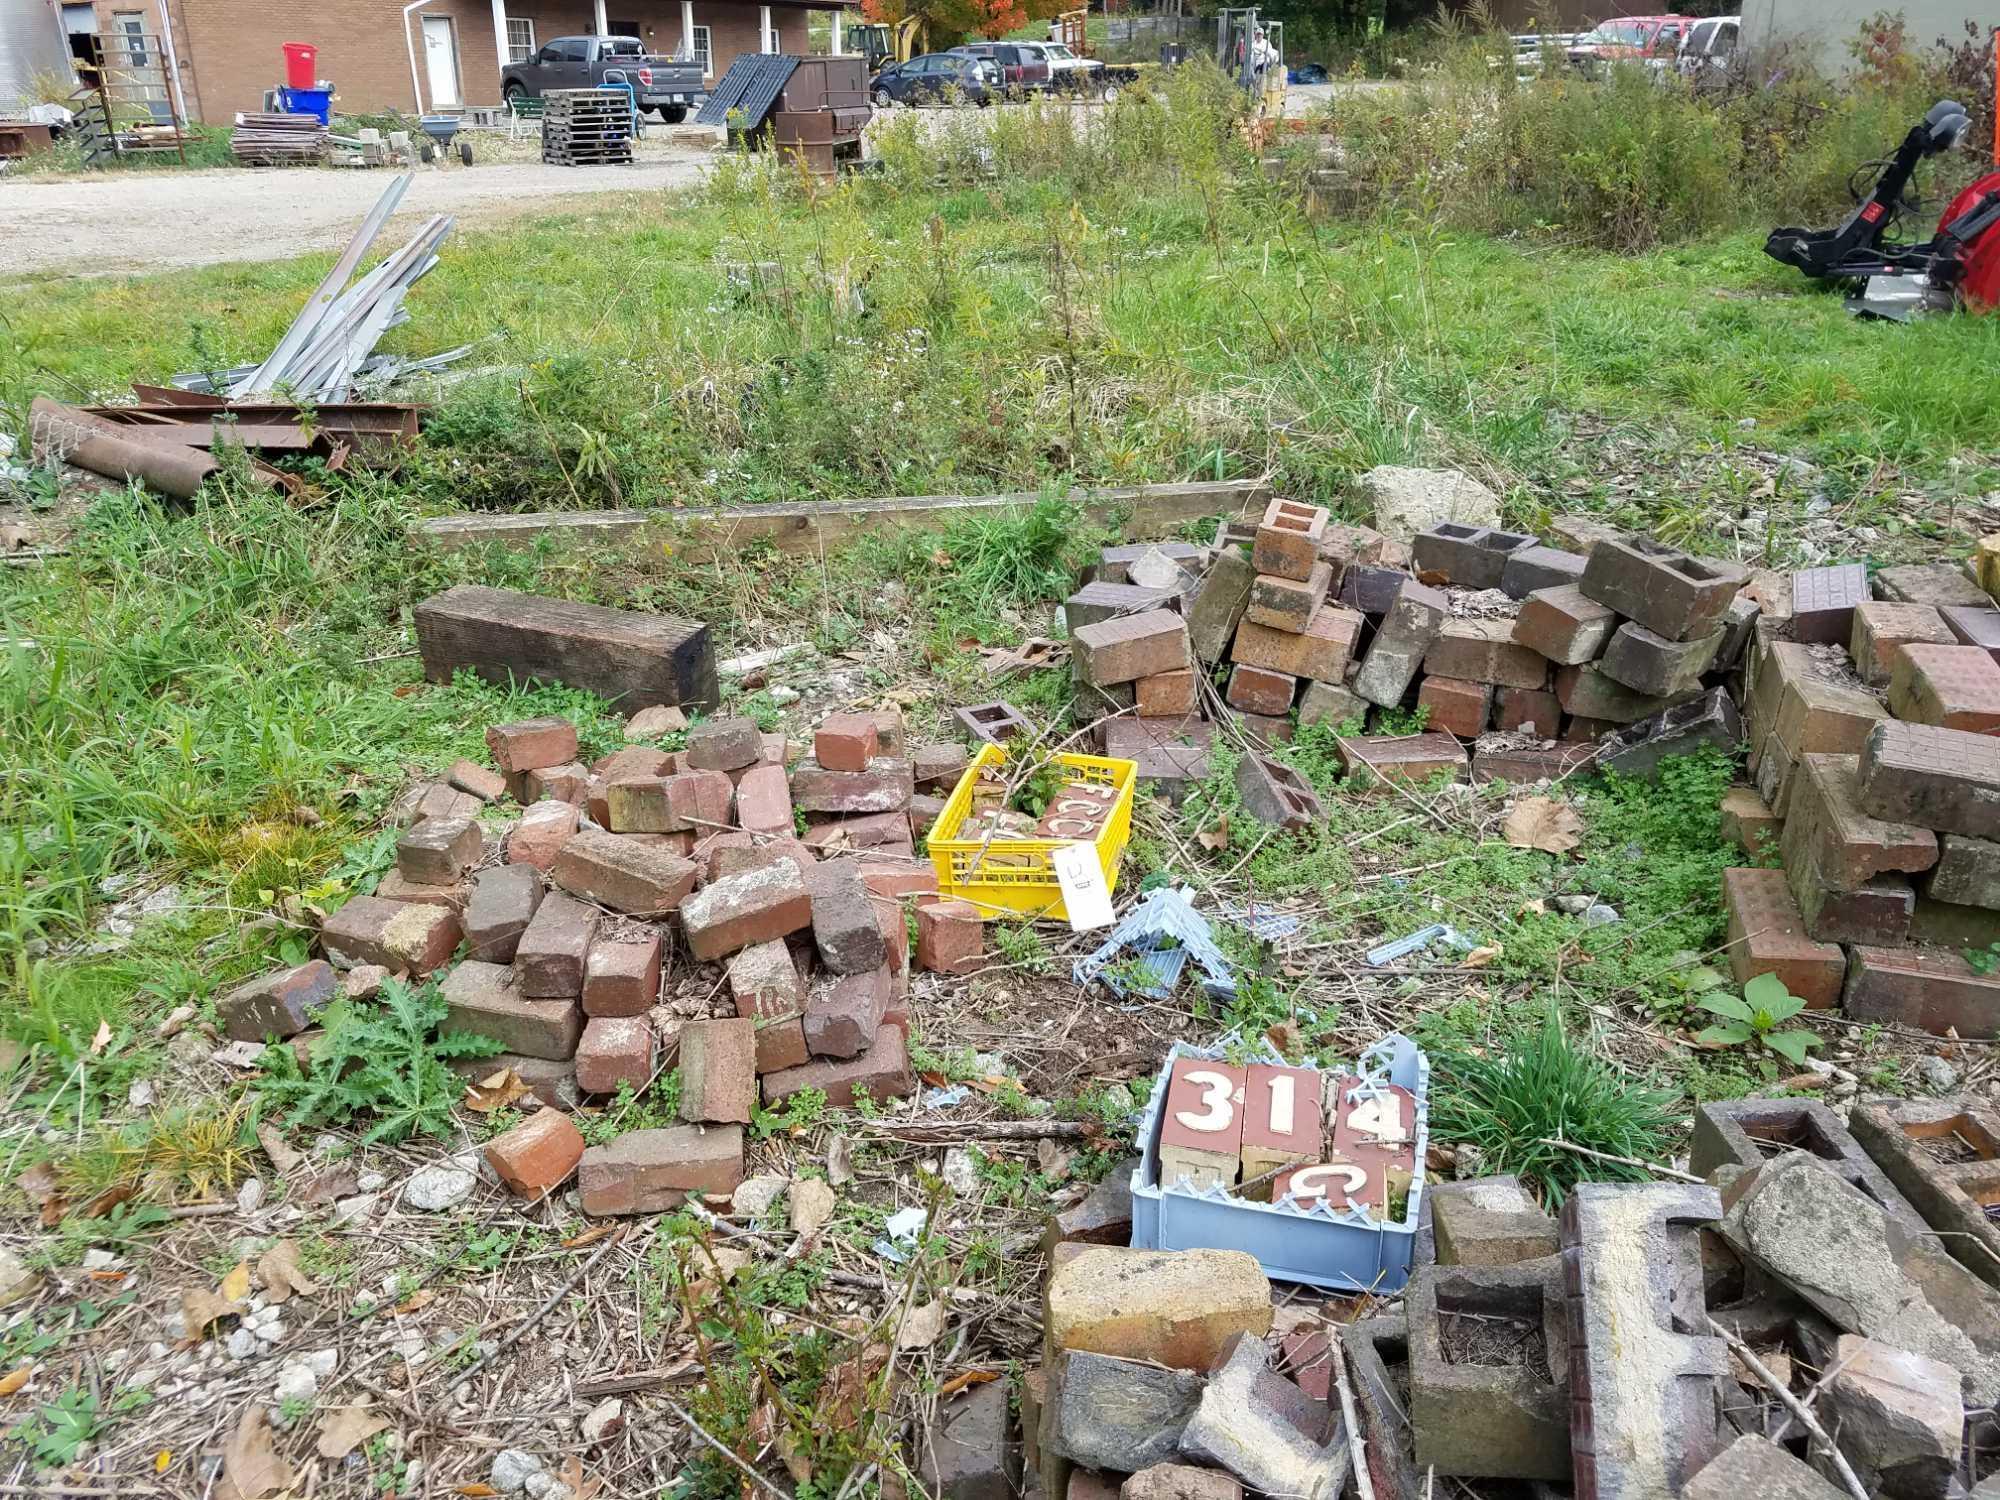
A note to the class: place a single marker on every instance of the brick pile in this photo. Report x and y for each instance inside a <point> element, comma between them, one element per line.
<point>1872,715</point>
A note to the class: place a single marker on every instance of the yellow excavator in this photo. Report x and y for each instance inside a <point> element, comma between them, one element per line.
<point>882,43</point>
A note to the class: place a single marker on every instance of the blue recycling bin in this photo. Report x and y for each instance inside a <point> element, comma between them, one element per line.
<point>315,102</point>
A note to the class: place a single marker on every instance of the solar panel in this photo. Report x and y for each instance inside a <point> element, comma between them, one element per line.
<point>748,89</point>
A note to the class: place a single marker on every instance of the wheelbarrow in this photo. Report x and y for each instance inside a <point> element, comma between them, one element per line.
<point>442,129</point>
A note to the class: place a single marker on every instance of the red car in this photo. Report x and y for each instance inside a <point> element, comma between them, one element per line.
<point>1629,39</point>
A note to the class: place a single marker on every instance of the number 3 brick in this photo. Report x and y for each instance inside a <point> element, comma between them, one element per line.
<point>1201,1128</point>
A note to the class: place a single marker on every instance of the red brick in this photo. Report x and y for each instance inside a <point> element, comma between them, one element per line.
<point>844,1011</point>
<point>1748,822</point>
<point>1460,708</point>
<point>718,1070</point>
<point>1167,696</point>
<point>439,850</point>
<point>280,1005</point>
<point>727,859</point>
<point>499,905</point>
<point>431,799</point>
<point>1288,539</point>
<point>939,765</point>
<point>883,1071</point>
<point>1931,989</point>
<point>686,801</point>
<point>614,1050</point>
<point>846,933</point>
<point>1123,649</point>
<point>622,977</point>
<point>901,877</point>
<point>950,939</point>
<point>1767,935</point>
<point>569,782</point>
<point>536,1156</point>
<point>1288,603</point>
<point>1485,651</point>
<point>1952,687</point>
<point>1529,764</point>
<point>1826,828</point>
<point>485,999</point>
<point>765,983</point>
<point>726,744</point>
<point>476,780</point>
<point>636,760</point>
<point>530,744</point>
<point>1527,709</point>
<point>1321,652</point>
<point>846,742</point>
<point>739,910</point>
<point>623,875</point>
<point>764,800</point>
<point>889,831</point>
<point>886,786</point>
<point>653,1171</point>
<point>1877,914</point>
<point>1880,628</point>
<point>1256,690</point>
<point>1401,757</point>
<point>403,937</point>
<point>540,835</point>
<point>395,886</point>
<point>1564,626</point>
<point>781,1044</point>
<point>552,951</point>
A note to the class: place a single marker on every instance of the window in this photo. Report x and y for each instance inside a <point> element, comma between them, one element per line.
<point>572,49</point>
<point>701,53</point>
<point>624,46</point>
<point>520,39</point>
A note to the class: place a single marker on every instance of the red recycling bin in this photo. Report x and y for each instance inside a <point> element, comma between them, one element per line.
<point>301,65</point>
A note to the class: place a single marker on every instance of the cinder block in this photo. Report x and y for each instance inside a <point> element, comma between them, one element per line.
<point>1459,708</point>
<point>1472,557</point>
<point>1485,651</point>
<point>1953,687</point>
<point>1535,568</point>
<point>1489,1370</point>
<point>1648,662</point>
<point>1640,749</point>
<point>1370,759</point>
<point>1491,1221</point>
<point>1824,601</point>
<point>1943,1156</point>
<point>1564,625</point>
<point>1664,589</point>
<point>1746,1133</point>
<point>1378,1350</point>
<point>1401,641</point>
<point>1274,793</point>
<point>1880,629</point>
<point>1944,779</point>
<point>1754,1466</point>
<point>1930,989</point>
<point>1288,539</point>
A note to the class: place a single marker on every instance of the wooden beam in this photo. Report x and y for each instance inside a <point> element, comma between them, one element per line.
<point>1154,510</point>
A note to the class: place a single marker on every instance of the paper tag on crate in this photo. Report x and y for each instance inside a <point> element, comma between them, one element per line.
<point>1085,895</point>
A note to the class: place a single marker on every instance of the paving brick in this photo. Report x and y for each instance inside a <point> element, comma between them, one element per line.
<point>1824,601</point>
<point>1371,590</point>
<point>950,937</point>
<point>1218,604</point>
<point>890,831</point>
<point>1401,757</point>
<point>486,1000</point>
<point>1460,708</point>
<point>431,799</point>
<point>883,1072</point>
<point>1664,589</point>
<point>621,977</point>
<point>1827,828</point>
<point>1767,935</point>
<point>886,786</point>
<point>1401,641</point>
<point>1946,779</point>
<point>1473,557</point>
<point>1748,822</point>
<point>845,742</point>
<point>1255,690</point>
<point>1530,763</point>
<point>1935,584</point>
<point>1931,989</point>
<point>540,835</point>
<point>845,930</point>
<point>1772,667</point>
<point>1481,1418</point>
<point>1650,663</point>
<point>1945,924</point>
<point>550,957</point>
<point>529,744</point>
<point>938,765</point>
<point>476,780</point>
<point>1756,1466</point>
<point>1746,1133</point>
<point>1534,568</point>
<point>622,874</point>
<point>765,983</point>
<point>739,910</point>
<point>1880,629</point>
<point>1564,625</point>
<point>725,744</point>
<point>1967,872</point>
<point>1949,1190</point>
<point>1331,703</point>
<point>1272,792</point>
<point>1589,693</point>
<point>1973,626</point>
<point>1169,757</point>
<point>550,1081</point>
<point>844,1011</point>
<point>1485,651</point>
<point>1645,1397</point>
<point>614,1050</point>
<point>568,782</point>
<point>1321,652</point>
<point>536,1156</point>
<point>403,937</point>
<point>1170,695</point>
<point>277,1005</point>
<point>1288,603</point>
<point>764,800</point>
<point>1530,710</point>
<point>1127,648</point>
<point>1288,539</point>
<point>1493,1221</point>
<point>718,1070</point>
<point>653,1171</point>
<point>1953,687</point>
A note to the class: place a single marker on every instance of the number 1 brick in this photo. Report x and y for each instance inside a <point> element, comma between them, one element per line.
<point>1281,1122</point>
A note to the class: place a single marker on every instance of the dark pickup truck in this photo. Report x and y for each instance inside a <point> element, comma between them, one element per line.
<point>665,85</point>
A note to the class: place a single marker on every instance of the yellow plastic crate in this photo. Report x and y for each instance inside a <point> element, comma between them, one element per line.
<point>1015,875</point>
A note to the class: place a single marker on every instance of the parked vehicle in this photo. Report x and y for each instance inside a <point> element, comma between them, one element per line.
<point>936,76</point>
<point>1308,73</point>
<point>1070,74</point>
<point>1023,70</point>
<point>1709,46</point>
<point>665,85</point>
<point>1629,39</point>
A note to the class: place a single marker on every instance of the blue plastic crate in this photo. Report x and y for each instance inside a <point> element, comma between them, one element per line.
<point>1345,1249</point>
<point>315,102</point>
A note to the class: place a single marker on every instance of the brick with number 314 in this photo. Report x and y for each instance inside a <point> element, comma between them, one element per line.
<point>1201,1128</point>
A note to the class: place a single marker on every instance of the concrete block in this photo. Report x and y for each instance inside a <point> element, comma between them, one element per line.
<point>1490,1221</point>
<point>1261,1428</point>
<point>1489,1370</point>
<point>1943,1156</point>
<point>1755,1468</point>
<point>1472,557</point>
<point>1935,584</point>
<point>1117,1414</point>
<point>1664,589</point>
<point>1745,1133</point>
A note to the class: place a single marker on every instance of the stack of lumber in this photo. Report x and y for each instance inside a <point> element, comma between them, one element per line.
<point>267,140</point>
<point>587,127</point>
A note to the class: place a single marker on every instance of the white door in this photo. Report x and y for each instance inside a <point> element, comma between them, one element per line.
<point>441,61</point>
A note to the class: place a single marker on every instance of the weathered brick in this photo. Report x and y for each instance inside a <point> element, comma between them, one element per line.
<point>1529,710</point>
<point>540,835</point>
<point>889,831</point>
<point>568,782</point>
<point>1589,693</point>
<point>498,907</point>
<point>1460,708</point>
<point>718,1070</point>
<point>1530,763</point>
<point>1218,604</point>
<point>395,886</point>
<point>431,799</point>
<point>530,744</point>
<point>1748,822</point>
<point>1824,601</point>
<point>623,874</point>
<point>550,1081</point>
<point>1182,1309</point>
<point>1967,872</point>
<point>845,931</point>
<point>1345,543</point>
<point>1288,539</point>
<point>895,878</point>
<point>1664,589</point>
<point>844,1011</point>
<point>1650,663</point>
<point>279,1005</point>
<point>1256,690</point>
<point>1935,584</point>
<point>1371,590</point>
<point>653,1171</point>
<point>1288,603</point>
<point>765,983</point>
<point>1480,1419</point>
<point>1973,626</point>
<point>1492,1221</point>
<point>886,786</point>
<point>883,1072</point>
<point>1880,629</point>
<point>1739,627</point>
<point>685,801</point>
<point>1115,563</point>
<point>614,1050</point>
<point>536,1156</point>
<point>1827,828</point>
<point>739,910</point>
<point>551,953</point>
<point>1930,989</point>
<point>486,1000</point>
<point>1181,1482</point>
<point>1402,639</point>
<point>1877,913</point>
<point>1952,687</point>
<point>476,780</point>
<point>1946,779</point>
<point>1564,625</point>
<point>1320,652</point>
<point>1772,667</point>
<point>950,938</point>
<point>1472,557</point>
<point>1102,600</point>
<point>726,744</point>
<point>1171,754</point>
<point>846,742</point>
<point>938,765</point>
<point>764,800</point>
<point>401,936</point>
<point>1767,935</point>
<point>781,1044</point>
<point>1401,757</point>
<point>1535,568</point>
<point>1170,695</point>
<point>621,977</point>
<point>1331,703</point>
<point>1272,792</point>
<point>1126,648</point>
<point>1485,651</point>
<point>1946,1194</point>
<point>636,760</point>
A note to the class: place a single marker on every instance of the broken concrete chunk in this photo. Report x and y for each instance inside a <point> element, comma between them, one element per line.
<point>1265,1430</point>
<point>1180,1482</point>
<point>1898,1417</point>
<point>1407,501</point>
<point>1118,1414</point>
<point>1489,1221</point>
<point>1755,1468</point>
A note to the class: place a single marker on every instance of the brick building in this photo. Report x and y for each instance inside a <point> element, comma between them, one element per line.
<point>433,55</point>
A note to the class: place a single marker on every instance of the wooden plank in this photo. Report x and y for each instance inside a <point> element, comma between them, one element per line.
<point>702,535</point>
<point>634,660</point>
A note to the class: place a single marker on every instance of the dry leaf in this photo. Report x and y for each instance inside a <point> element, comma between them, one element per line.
<point>14,1379</point>
<point>477,1490</point>
<point>283,1157</point>
<point>729,1261</point>
<point>796,1463</point>
<point>417,1301</point>
<point>1543,823</point>
<point>839,1161</point>
<point>347,1428</point>
<point>1217,837</point>
<point>201,1307</point>
<point>110,1198</point>
<point>102,1040</point>
<point>496,1091</point>
<point>921,1326</point>
<point>581,1486</point>
<point>1287,1038</point>
<point>250,1463</point>
<point>963,1379</point>
<point>278,1269</point>
<point>1479,958</point>
<point>334,1182</point>
<point>847,1386</point>
<point>38,1182</point>
<point>812,1204</point>
<point>236,1285</point>
<point>590,1236</point>
<point>1052,1159</point>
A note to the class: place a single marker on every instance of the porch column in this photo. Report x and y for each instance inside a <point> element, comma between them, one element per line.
<point>835,47</point>
<point>766,42</point>
<point>603,25</point>
<point>687,30</point>
<point>500,33</point>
